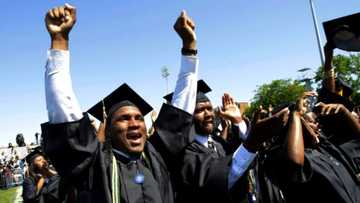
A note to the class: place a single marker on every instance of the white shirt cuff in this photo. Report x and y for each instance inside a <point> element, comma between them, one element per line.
<point>242,130</point>
<point>241,160</point>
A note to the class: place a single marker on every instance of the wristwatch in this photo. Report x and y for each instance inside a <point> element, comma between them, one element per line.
<point>188,52</point>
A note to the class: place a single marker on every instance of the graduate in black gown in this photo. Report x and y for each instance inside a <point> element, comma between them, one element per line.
<point>310,168</point>
<point>209,171</point>
<point>41,185</point>
<point>126,168</point>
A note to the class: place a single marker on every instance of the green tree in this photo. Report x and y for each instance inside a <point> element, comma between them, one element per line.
<point>276,93</point>
<point>346,68</point>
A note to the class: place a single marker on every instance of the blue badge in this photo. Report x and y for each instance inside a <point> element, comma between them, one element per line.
<point>139,178</point>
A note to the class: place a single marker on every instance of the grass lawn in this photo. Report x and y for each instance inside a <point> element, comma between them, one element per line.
<point>7,196</point>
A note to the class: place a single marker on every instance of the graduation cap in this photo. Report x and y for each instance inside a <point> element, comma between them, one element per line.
<point>35,153</point>
<point>124,96</point>
<point>343,33</point>
<point>328,97</point>
<point>202,89</point>
<point>343,87</point>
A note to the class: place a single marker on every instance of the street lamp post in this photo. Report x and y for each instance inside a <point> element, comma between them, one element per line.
<point>317,32</point>
<point>165,74</point>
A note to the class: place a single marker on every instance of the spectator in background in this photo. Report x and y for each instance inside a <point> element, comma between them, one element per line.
<point>20,141</point>
<point>42,183</point>
<point>37,138</point>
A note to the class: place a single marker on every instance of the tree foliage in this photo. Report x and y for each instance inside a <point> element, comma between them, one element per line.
<point>346,68</point>
<point>282,91</point>
<point>276,93</point>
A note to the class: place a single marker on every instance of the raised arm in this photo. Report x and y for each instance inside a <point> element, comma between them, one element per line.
<point>61,102</point>
<point>184,96</point>
<point>294,141</point>
<point>329,80</point>
<point>69,137</point>
<point>231,111</point>
<point>241,158</point>
<point>173,125</point>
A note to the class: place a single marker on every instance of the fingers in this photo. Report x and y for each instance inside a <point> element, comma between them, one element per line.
<point>227,100</point>
<point>62,12</point>
<point>184,25</point>
<point>327,109</point>
<point>183,13</point>
<point>337,109</point>
<point>51,13</point>
<point>309,93</point>
<point>67,15</point>
<point>60,20</point>
<point>223,101</point>
<point>71,9</point>
<point>190,22</point>
<point>323,108</point>
<point>57,13</point>
<point>68,6</point>
<point>319,106</point>
<point>180,22</point>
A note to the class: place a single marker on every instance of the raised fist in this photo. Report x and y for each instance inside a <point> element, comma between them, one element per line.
<point>185,27</point>
<point>60,20</point>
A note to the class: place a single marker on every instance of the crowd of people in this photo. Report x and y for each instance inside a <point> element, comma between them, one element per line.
<point>12,166</point>
<point>304,151</point>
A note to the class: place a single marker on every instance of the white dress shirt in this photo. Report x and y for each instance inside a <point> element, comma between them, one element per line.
<point>243,130</point>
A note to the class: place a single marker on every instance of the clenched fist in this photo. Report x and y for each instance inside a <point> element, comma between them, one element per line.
<point>60,20</point>
<point>185,28</point>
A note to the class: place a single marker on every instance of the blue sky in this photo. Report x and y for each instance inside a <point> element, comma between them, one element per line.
<point>242,44</point>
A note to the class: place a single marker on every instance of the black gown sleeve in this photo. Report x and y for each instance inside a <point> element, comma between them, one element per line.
<point>29,191</point>
<point>351,151</point>
<point>172,133</point>
<point>233,141</point>
<point>283,172</point>
<point>72,147</point>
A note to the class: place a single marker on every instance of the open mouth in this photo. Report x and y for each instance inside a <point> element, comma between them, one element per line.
<point>208,122</point>
<point>135,138</point>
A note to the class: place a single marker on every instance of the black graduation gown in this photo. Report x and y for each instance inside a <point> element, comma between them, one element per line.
<point>347,141</point>
<point>48,193</point>
<point>204,176</point>
<point>262,189</point>
<point>233,140</point>
<point>85,163</point>
<point>325,177</point>
<point>266,190</point>
<point>156,186</point>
